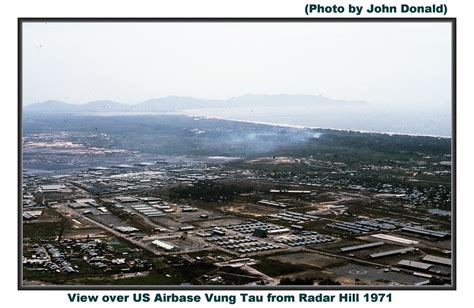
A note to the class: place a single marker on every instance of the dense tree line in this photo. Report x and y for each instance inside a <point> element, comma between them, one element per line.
<point>209,191</point>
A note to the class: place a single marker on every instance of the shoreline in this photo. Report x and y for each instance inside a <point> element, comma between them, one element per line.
<point>250,122</point>
<point>316,127</point>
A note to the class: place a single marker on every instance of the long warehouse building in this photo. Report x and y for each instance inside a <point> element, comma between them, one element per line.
<point>361,247</point>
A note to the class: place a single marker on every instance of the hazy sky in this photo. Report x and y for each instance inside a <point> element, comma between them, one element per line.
<point>403,63</point>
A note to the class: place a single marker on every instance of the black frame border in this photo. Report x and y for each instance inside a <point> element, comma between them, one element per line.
<point>22,20</point>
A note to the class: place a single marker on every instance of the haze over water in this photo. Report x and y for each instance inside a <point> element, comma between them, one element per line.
<point>404,70</point>
<point>363,118</point>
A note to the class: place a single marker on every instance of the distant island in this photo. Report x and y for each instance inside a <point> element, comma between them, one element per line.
<point>179,103</point>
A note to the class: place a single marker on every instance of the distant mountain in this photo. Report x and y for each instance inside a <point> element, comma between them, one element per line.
<point>62,107</point>
<point>175,103</point>
<point>51,106</point>
<point>178,103</point>
<point>106,106</point>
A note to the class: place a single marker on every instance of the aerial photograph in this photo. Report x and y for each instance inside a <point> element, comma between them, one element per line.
<point>240,154</point>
